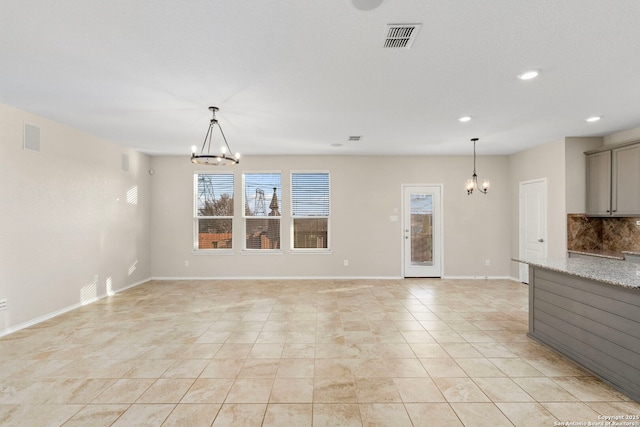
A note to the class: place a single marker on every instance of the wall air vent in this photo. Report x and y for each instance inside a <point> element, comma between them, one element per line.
<point>401,36</point>
<point>354,138</point>
<point>125,162</point>
<point>31,137</point>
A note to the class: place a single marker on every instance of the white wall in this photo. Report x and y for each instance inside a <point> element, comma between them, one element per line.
<point>366,191</point>
<point>69,213</point>
<point>544,161</point>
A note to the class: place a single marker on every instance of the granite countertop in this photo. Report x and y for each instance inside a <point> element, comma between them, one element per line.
<point>599,253</point>
<point>606,270</point>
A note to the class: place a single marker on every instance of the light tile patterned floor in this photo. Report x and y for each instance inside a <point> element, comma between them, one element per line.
<point>421,352</point>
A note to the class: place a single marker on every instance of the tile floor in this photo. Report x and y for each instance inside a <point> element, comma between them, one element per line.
<point>421,352</point>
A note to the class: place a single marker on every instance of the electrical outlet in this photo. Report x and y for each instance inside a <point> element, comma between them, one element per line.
<point>186,263</point>
<point>487,262</point>
<point>637,222</point>
<point>346,262</point>
<point>96,278</point>
<point>3,304</point>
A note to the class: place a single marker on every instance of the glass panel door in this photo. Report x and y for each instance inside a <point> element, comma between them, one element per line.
<point>421,234</point>
<point>422,231</point>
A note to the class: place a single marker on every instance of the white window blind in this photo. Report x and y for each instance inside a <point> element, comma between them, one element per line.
<point>309,194</point>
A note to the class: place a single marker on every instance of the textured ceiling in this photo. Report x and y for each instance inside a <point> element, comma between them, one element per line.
<point>301,76</point>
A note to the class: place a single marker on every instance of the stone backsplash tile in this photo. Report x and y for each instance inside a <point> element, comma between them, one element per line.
<point>602,234</point>
<point>584,234</point>
<point>620,234</point>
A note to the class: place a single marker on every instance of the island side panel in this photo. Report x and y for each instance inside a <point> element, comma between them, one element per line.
<point>595,324</point>
<point>532,290</point>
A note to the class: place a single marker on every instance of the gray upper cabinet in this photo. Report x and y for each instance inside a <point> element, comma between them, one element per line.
<point>599,183</point>
<point>625,195</point>
<point>613,181</point>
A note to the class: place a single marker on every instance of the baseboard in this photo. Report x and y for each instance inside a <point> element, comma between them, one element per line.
<point>63,310</point>
<point>282,278</point>
<point>477,278</point>
<point>161,278</point>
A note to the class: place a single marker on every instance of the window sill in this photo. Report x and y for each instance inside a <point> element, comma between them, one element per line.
<point>227,252</point>
<point>207,252</point>
<point>311,252</point>
<point>262,252</point>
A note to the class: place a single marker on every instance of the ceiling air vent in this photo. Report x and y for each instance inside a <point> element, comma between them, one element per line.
<point>401,36</point>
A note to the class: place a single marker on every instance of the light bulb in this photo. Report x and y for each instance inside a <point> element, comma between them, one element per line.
<point>194,148</point>
<point>470,184</point>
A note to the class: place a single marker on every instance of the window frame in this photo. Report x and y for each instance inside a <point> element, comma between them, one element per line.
<point>293,217</point>
<point>197,218</point>
<point>245,217</point>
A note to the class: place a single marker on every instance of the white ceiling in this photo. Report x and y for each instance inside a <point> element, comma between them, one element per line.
<point>300,76</point>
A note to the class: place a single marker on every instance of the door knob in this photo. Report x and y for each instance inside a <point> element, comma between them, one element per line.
<point>540,240</point>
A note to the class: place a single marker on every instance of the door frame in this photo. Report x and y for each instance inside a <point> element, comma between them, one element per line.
<point>523,269</point>
<point>439,245</point>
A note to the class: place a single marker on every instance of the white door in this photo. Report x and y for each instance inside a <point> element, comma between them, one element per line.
<point>533,222</point>
<point>422,230</point>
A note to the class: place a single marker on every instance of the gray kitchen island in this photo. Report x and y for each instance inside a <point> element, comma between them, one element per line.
<point>589,310</point>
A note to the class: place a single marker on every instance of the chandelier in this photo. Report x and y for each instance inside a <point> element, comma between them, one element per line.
<point>472,183</point>
<point>224,157</point>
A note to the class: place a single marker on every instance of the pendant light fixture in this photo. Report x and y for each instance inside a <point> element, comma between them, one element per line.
<point>224,157</point>
<point>472,183</point>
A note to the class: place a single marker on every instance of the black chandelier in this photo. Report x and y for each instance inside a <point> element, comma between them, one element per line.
<point>472,183</point>
<point>224,157</point>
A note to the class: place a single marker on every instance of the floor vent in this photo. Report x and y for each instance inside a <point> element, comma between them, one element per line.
<point>401,36</point>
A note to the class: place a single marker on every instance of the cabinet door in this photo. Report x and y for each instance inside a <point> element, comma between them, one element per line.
<point>625,197</point>
<point>599,184</point>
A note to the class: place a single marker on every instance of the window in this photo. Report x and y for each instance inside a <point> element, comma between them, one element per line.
<point>262,198</point>
<point>213,211</point>
<point>310,210</point>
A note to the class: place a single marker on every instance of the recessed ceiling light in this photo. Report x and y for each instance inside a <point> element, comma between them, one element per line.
<point>366,4</point>
<point>593,119</point>
<point>528,75</point>
<point>464,119</point>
